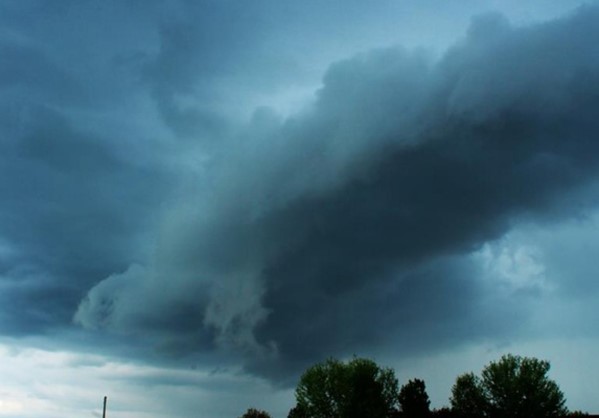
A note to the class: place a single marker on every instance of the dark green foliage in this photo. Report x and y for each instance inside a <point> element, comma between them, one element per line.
<point>513,387</point>
<point>467,397</point>
<point>254,413</point>
<point>413,399</point>
<point>357,389</point>
<point>297,412</point>
<point>442,413</point>
<point>519,387</point>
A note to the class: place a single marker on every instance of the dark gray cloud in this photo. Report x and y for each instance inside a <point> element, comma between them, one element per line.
<point>353,223</point>
<point>212,56</point>
<point>219,60</point>
<point>344,228</point>
<point>193,186</point>
<point>70,208</point>
<point>81,188</point>
<point>29,71</point>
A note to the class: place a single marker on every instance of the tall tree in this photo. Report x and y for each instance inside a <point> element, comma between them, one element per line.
<point>519,387</point>
<point>467,397</point>
<point>413,399</point>
<point>356,389</point>
<point>513,387</point>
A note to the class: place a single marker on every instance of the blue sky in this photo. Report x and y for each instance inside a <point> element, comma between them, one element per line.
<point>200,199</point>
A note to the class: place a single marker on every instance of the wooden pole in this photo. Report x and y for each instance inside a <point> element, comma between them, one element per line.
<point>104,411</point>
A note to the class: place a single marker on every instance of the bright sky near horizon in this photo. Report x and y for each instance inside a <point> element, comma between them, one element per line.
<point>200,199</point>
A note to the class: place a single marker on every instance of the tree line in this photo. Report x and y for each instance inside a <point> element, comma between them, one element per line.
<point>511,387</point>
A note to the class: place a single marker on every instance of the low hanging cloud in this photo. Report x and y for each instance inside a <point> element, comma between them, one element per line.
<point>352,223</point>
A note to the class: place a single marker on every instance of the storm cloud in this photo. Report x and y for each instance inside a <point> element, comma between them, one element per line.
<point>201,199</point>
<point>359,221</point>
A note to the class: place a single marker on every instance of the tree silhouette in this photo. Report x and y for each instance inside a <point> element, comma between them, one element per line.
<point>297,412</point>
<point>467,397</point>
<point>255,413</point>
<point>444,412</point>
<point>513,387</point>
<point>357,389</point>
<point>413,399</point>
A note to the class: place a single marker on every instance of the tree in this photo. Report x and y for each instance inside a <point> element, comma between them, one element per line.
<point>519,387</point>
<point>297,412</point>
<point>513,387</point>
<point>467,397</point>
<point>413,399</point>
<point>442,413</point>
<point>357,389</point>
<point>255,413</point>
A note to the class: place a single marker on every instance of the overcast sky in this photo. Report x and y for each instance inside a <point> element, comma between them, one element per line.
<point>201,199</point>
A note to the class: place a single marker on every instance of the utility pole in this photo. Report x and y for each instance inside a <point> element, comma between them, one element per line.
<point>104,411</point>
